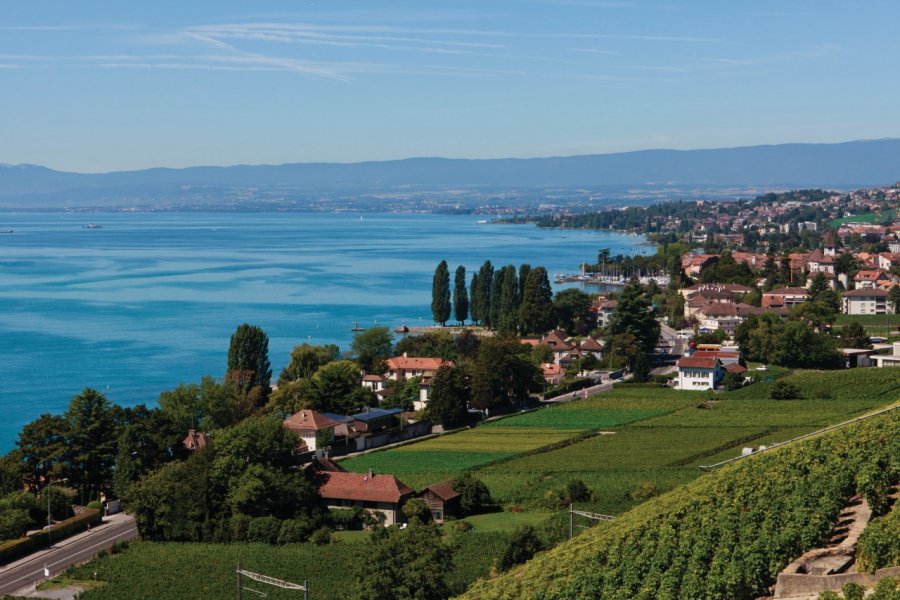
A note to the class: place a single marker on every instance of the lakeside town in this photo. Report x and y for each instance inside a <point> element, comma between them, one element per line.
<point>761,301</point>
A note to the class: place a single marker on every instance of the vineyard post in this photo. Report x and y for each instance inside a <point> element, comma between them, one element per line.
<point>571,522</point>
<point>306,589</point>
<point>240,584</point>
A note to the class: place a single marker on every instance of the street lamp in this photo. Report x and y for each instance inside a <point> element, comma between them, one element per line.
<point>49,516</point>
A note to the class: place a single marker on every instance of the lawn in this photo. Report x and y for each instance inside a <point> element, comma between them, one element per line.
<point>872,217</point>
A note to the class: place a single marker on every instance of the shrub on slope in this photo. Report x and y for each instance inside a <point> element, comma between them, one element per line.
<point>726,535</point>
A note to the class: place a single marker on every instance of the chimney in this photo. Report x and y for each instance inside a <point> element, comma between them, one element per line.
<point>406,355</point>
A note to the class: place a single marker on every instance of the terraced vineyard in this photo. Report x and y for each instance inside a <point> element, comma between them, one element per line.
<point>726,535</point>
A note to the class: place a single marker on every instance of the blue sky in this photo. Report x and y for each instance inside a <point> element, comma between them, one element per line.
<point>97,86</point>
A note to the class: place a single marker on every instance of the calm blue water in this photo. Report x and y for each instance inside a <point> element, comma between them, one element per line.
<point>151,300</point>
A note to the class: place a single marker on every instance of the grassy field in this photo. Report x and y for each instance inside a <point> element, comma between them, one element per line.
<point>438,459</point>
<point>879,325</point>
<point>873,217</point>
<point>656,438</point>
<point>173,571</point>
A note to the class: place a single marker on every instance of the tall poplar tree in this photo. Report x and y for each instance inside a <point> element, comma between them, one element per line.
<point>505,300</point>
<point>524,271</point>
<point>475,298</point>
<point>460,295</point>
<point>440,294</point>
<point>248,359</point>
<point>536,310</point>
<point>485,288</point>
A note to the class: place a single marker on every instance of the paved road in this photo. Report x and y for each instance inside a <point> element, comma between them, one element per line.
<point>23,574</point>
<point>594,389</point>
<point>668,333</point>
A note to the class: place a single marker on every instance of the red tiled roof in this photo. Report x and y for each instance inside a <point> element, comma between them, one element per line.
<point>363,487</point>
<point>873,293</point>
<point>443,490</point>
<point>691,362</point>
<point>735,368</point>
<point>591,345</point>
<point>715,354</point>
<point>410,363</point>
<point>308,420</point>
<point>373,378</point>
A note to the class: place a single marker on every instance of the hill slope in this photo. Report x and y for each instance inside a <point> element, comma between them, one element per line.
<point>726,535</point>
<point>856,163</point>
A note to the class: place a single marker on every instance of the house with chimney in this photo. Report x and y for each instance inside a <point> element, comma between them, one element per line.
<point>401,368</point>
<point>699,373</point>
<point>195,440</point>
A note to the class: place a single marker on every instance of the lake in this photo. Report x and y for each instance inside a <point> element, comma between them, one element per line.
<point>148,300</point>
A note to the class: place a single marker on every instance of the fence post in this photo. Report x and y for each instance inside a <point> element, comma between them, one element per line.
<point>240,583</point>
<point>571,522</point>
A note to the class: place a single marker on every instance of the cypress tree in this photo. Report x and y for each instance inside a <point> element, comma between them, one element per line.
<point>474,298</point>
<point>505,300</point>
<point>485,285</point>
<point>248,359</point>
<point>524,270</point>
<point>440,294</point>
<point>536,310</point>
<point>460,295</point>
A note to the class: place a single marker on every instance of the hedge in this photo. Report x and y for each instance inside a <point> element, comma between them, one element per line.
<point>14,549</point>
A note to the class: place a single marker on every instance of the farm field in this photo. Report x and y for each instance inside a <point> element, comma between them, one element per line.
<point>880,325</point>
<point>660,437</point>
<point>176,571</point>
<point>872,217</point>
<point>441,458</point>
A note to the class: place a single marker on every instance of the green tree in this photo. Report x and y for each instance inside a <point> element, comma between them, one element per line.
<point>505,300</point>
<point>336,388</point>
<point>475,298</point>
<point>854,335</point>
<point>524,271</point>
<point>432,344</point>
<point>800,346</point>
<point>13,523</point>
<point>817,286</point>
<point>306,360</point>
<point>248,360</point>
<point>894,299</point>
<point>474,495</point>
<point>449,400</point>
<point>485,293</point>
<point>460,296</point>
<point>503,373</point>
<point>289,398</point>
<point>370,348</point>
<point>633,316</point>
<point>42,447</point>
<point>440,294</point>
<point>11,476</point>
<point>523,544</point>
<point>572,310</point>
<point>405,564</point>
<point>536,311</point>
<point>90,443</point>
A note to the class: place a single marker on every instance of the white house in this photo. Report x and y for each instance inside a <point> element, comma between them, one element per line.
<point>401,368</point>
<point>699,373</point>
<point>871,301</point>
<point>311,427</point>
<point>888,360</point>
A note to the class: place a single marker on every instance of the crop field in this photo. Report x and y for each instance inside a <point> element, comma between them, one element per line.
<point>872,217</point>
<point>176,571</point>
<point>441,458</point>
<point>881,325</point>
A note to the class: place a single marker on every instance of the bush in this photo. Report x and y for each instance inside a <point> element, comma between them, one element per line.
<point>264,530</point>
<point>321,536</point>
<point>474,495</point>
<point>95,504</point>
<point>417,509</point>
<point>577,491</point>
<point>13,523</point>
<point>462,526</point>
<point>293,531</point>
<point>522,545</point>
<point>644,491</point>
<point>119,546</point>
<point>17,548</point>
<point>784,390</point>
<point>879,544</point>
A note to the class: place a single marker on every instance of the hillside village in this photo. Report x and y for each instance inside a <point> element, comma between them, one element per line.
<point>405,428</point>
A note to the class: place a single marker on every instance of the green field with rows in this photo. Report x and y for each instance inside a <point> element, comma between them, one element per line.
<point>656,438</point>
<point>726,534</point>
<point>880,325</point>
<point>176,571</point>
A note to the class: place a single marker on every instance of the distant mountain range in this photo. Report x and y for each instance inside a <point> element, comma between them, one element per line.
<point>843,165</point>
